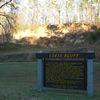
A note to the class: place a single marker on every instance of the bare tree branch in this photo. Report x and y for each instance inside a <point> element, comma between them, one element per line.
<point>3,27</point>
<point>9,19</point>
<point>3,34</point>
<point>5,3</point>
<point>8,27</point>
<point>7,16</point>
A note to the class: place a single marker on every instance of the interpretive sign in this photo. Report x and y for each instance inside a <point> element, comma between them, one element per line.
<point>65,74</point>
<point>63,70</point>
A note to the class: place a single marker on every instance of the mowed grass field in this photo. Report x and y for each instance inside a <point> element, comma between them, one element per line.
<point>18,82</point>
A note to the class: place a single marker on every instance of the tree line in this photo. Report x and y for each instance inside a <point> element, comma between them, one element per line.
<point>46,12</point>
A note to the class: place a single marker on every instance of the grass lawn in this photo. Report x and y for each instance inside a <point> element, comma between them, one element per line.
<point>18,82</point>
<point>28,50</point>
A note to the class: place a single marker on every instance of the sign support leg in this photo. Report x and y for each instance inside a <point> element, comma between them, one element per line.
<point>90,77</point>
<point>39,75</point>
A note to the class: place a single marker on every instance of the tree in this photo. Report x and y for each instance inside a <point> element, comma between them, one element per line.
<point>90,10</point>
<point>70,7</point>
<point>96,5</point>
<point>6,22</point>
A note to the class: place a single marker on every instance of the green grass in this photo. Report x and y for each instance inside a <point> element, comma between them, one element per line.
<point>29,49</point>
<point>32,49</point>
<point>18,82</point>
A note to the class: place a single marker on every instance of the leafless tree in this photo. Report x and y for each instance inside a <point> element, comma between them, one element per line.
<point>8,25</point>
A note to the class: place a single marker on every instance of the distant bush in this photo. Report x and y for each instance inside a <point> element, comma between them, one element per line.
<point>23,57</point>
<point>93,36</point>
<point>94,27</point>
<point>9,46</point>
